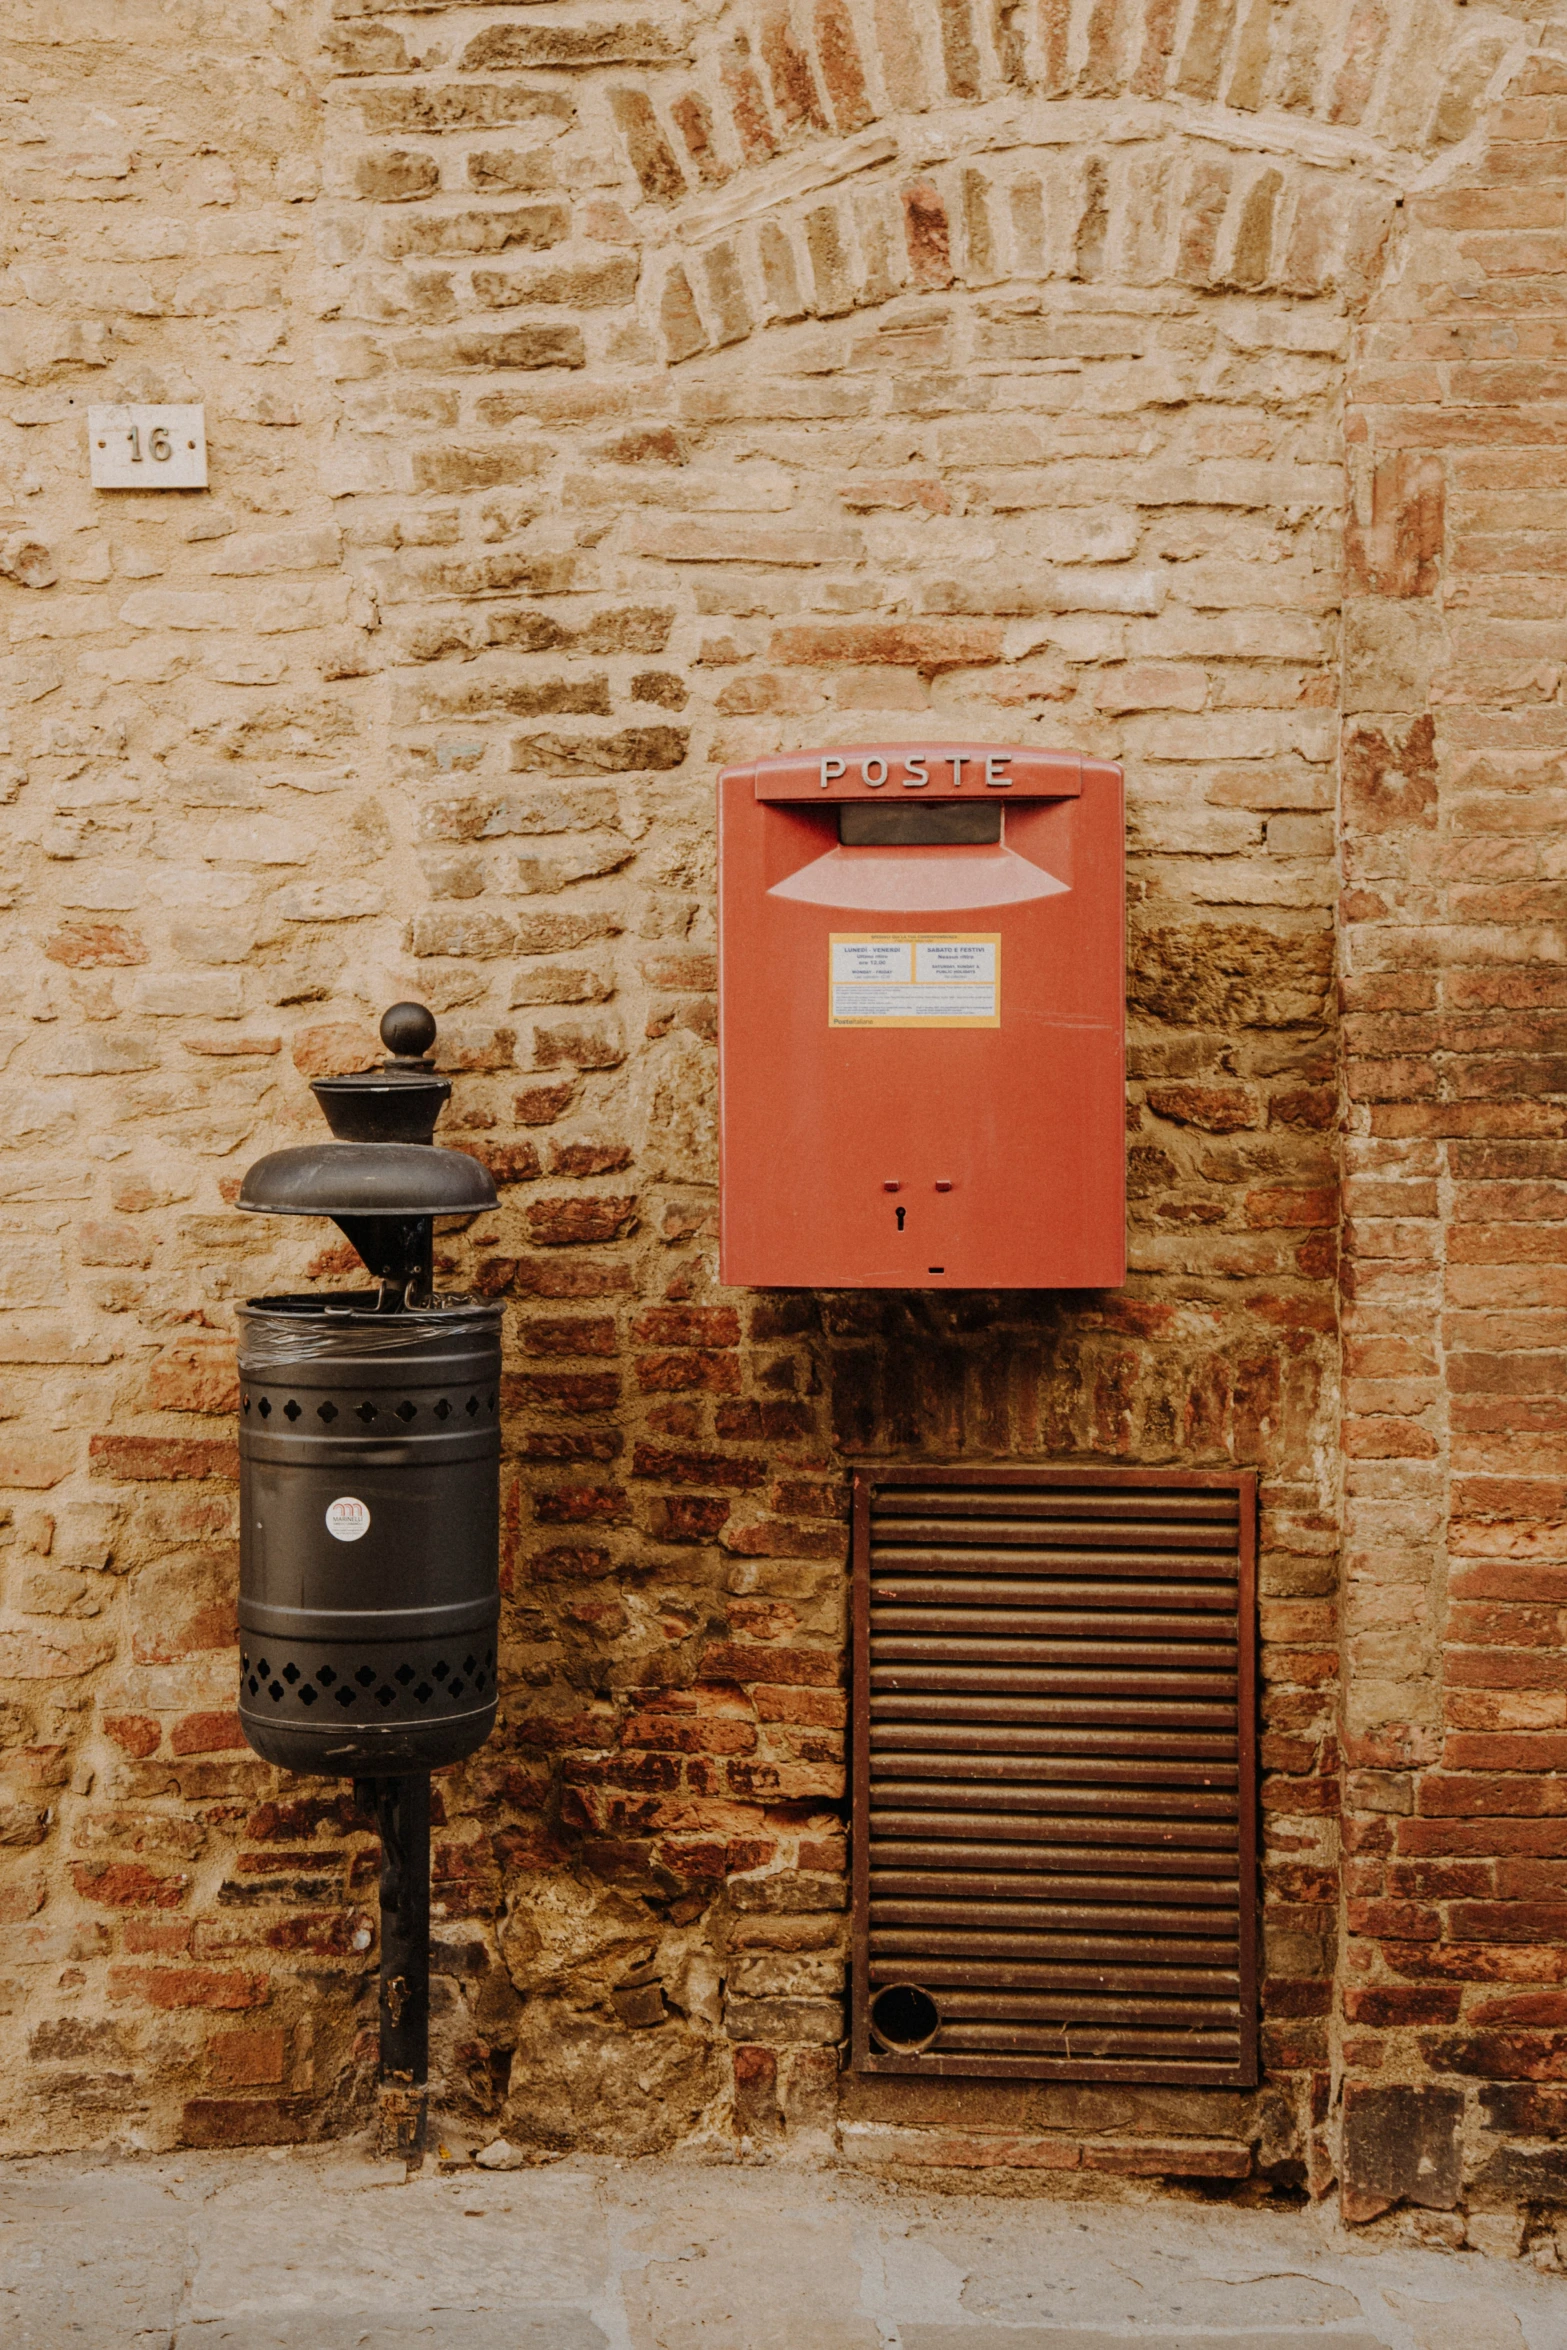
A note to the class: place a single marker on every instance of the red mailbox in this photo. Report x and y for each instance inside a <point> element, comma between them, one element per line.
<point>922,1019</point>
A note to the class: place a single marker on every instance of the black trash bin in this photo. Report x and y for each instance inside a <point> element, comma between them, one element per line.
<point>369,1532</point>
<point>369,1452</point>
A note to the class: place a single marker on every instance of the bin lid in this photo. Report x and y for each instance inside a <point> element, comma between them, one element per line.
<point>384,1164</point>
<point>367,1179</point>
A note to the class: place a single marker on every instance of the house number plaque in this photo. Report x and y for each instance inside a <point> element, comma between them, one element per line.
<point>148,448</point>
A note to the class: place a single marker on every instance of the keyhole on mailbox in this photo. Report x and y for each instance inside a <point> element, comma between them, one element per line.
<point>900,1213</point>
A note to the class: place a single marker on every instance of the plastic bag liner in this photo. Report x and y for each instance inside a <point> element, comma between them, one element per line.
<point>276,1332</point>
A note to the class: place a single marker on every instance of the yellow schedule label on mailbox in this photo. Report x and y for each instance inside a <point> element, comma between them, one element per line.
<point>916,979</point>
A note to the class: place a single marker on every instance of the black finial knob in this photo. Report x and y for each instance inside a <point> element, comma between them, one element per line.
<point>408,1031</point>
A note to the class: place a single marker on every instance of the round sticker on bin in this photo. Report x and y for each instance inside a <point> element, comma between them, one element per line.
<point>347,1519</point>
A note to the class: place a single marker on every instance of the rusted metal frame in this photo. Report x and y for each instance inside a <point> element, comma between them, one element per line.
<point>1085,1478</point>
<point>1004,1885</point>
<point>1166,2072</point>
<point>995,1862</point>
<point>917,1476</point>
<point>988,1551</point>
<point>860,1771</point>
<point>1246,1725</point>
<point>1145,1982</point>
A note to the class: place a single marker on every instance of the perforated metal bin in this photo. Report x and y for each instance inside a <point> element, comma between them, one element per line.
<point>369,1499</point>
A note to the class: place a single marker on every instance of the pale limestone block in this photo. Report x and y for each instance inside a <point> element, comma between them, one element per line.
<point>330,901</point>
<point>179,608</point>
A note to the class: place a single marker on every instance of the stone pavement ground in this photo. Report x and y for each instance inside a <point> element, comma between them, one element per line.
<point>331,2251</point>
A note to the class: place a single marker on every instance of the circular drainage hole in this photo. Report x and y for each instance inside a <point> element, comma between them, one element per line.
<point>904,2018</point>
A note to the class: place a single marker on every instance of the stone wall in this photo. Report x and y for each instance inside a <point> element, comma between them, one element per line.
<point>594,398</point>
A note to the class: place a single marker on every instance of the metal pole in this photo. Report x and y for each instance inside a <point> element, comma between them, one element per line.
<point>402,1808</point>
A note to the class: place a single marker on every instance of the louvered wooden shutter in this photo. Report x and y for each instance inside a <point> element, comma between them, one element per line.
<point>1054,1774</point>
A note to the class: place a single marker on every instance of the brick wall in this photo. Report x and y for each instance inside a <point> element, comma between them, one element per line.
<point>1455,1563</point>
<point>594,398</point>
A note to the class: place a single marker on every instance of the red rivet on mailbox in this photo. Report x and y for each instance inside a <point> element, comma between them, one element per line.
<point>892,1187</point>
<point>942,1183</point>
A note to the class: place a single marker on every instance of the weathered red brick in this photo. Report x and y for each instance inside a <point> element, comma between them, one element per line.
<point>683,1369</point>
<point>672,1466</point>
<point>246,2121</point>
<point>571,1563</point>
<point>928,236</point>
<point>245,2060</point>
<point>824,1708</point>
<point>137,1734</point>
<point>91,946</point>
<point>174,1987</point>
<point>505,1162</point>
<point>580,1505</point>
<point>1395,2006</point>
<point>690,1517</point>
<point>128,1884</point>
<point>775,1420</point>
<point>684,1736</point>
<point>734,1661</point>
<point>132,1460</point>
<point>561,1391</point>
<point>146,1934</point>
<point>681,1325</point>
<point>209,1733</point>
<point>568,1222</point>
<point>561,1445</point>
<point>779,1539</point>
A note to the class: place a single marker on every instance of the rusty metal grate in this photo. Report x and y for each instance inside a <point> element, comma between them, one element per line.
<point>1054,1774</point>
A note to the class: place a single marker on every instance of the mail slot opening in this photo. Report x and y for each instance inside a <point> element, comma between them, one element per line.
<point>941,824</point>
<point>905,2019</point>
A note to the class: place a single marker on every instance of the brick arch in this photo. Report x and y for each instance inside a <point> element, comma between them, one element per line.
<point>801,160</point>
